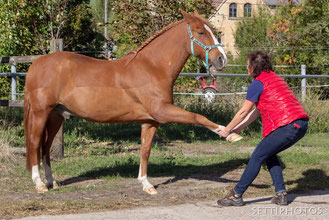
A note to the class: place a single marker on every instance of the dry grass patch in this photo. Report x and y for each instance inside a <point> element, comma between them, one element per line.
<point>7,159</point>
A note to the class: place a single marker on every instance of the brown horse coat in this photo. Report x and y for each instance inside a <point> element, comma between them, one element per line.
<point>136,88</point>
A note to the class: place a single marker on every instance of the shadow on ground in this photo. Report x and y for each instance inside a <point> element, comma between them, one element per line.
<point>314,180</point>
<point>214,172</point>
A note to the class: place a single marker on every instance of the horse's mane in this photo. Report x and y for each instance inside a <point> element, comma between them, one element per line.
<point>156,35</point>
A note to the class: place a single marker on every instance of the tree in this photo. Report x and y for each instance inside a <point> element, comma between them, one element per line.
<point>135,21</point>
<point>303,33</point>
<point>27,26</point>
<point>251,34</point>
<point>294,35</point>
<point>97,7</point>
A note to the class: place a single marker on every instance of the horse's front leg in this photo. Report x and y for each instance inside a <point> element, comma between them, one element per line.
<point>166,113</point>
<point>148,131</point>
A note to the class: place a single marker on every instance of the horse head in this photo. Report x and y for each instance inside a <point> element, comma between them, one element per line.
<point>204,44</point>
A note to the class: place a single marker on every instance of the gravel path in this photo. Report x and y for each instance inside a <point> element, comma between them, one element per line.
<point>303,206</point>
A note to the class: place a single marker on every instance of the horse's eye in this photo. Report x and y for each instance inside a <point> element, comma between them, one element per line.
<point>201,34</point>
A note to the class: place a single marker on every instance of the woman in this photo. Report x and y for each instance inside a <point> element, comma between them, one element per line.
<point>284,123</point>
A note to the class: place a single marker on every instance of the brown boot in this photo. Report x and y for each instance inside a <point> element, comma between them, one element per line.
<point>280,199</point>
<point>231,199</point>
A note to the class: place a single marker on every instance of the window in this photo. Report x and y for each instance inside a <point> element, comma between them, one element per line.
<point>233,10</point>
<point>247,10</point>
<point>219,37</point>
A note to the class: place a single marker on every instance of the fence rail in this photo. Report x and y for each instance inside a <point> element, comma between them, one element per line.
<point>57,147</point>
<point>246,75</point>
<point>12,103</point>
<point>29,59</point>
<point>19,59</point>
<point>13,60</point>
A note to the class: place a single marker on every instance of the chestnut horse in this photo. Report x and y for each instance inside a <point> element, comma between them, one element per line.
<point>136,88</point>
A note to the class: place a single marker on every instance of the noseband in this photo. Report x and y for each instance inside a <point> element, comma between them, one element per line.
<point>206,48</point>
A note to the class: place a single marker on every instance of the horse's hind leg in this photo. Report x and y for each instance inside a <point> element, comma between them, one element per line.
<point>35,138</point>
<point>53,124</point>
<point>148,131</point>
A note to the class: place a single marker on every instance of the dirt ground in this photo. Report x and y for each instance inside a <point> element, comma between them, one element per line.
<point>85,195</point>
<point>309,206</point>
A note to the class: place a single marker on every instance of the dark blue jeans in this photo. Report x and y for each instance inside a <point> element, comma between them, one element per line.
<point>267,150</point>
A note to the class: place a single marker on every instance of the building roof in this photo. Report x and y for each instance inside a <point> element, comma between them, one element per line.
<point>215,3</point>
<point>279,2</point>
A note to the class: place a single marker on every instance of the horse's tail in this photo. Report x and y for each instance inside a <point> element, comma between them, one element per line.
<point>26,131</point>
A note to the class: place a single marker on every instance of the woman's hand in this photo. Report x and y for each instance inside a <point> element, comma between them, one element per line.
<point>224,133</point>
<point>238,118</point>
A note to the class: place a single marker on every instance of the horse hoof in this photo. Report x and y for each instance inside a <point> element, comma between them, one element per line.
<point>150,191</point>
<point>54,185</point>
<point>218,130</point>
<point>234,137</point>
<point>41,189</point>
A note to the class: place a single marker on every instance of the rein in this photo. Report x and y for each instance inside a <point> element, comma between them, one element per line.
<point>206,48</point>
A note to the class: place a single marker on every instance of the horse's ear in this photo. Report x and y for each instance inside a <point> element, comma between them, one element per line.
<point>188,18</point>
<point>196,14</point>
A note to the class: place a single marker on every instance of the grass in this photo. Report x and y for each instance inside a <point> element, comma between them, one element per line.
<point>113,176</point>
<point>102,161</point>
<point>174,163</point>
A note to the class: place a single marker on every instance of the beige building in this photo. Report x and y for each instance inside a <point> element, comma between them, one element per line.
<point>229,12</point>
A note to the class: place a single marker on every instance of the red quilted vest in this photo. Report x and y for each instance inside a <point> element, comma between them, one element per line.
<point>277,104</point>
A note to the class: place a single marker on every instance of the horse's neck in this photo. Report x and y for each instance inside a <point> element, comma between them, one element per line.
<point>168,52</point>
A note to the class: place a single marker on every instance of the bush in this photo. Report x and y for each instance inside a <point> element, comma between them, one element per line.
<point>318,111</point>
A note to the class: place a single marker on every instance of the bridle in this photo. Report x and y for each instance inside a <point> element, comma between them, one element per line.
<point>206,48</point>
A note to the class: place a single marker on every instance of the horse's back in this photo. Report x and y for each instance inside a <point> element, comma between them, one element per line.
<point>51,74</point>
<point>93,89</point>
<point>58,62</point>
<point>59,68</point>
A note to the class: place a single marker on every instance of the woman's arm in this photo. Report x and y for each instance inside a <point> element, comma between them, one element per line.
<point>238,118</point>
<point>252,116</point>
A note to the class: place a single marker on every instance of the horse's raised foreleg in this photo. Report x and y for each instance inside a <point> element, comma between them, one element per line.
<point>167,113</point>
<point>54,122</point>
<point>35,138</point>
<point>148,131</point>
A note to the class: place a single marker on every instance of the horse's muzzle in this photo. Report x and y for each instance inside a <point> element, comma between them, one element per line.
<point>219,63</point>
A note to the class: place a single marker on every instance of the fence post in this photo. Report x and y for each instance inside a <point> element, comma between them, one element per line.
<point>57,148</point>
<point>13,82</point>
<point>303,85</point>
<point>106,49</point>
